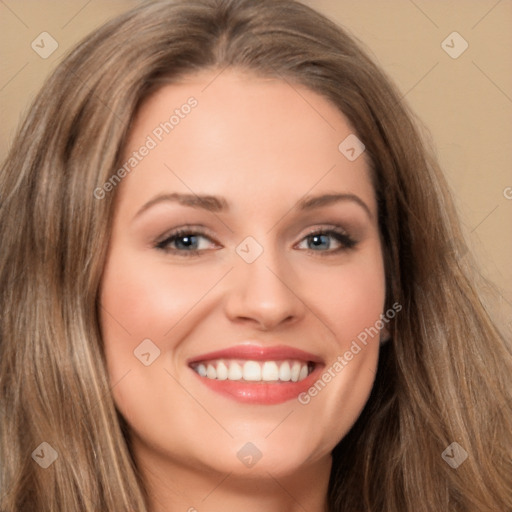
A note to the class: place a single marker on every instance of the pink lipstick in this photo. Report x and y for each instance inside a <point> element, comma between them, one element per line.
<point>257,374</point>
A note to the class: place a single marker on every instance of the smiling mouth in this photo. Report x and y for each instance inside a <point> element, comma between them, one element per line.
<point>257,374</point>
<point>249,371</point>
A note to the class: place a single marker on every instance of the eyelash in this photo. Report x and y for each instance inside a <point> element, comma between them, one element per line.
<point>346,241</point>
<point>181,233</point>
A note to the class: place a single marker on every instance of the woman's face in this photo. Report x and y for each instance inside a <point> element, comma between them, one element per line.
<point>244,268</point>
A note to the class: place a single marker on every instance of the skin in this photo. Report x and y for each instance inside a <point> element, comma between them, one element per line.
<point>263,145</point>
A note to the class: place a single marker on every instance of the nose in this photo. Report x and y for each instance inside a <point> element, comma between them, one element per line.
<point>263,296</point>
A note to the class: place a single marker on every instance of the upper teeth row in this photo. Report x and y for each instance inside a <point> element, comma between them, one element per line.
<point>254,370</point>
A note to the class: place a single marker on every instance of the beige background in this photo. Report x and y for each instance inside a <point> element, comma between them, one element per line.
<point>466,102</point>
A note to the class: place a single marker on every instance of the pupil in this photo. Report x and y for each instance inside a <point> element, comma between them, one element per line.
<point>186,241</point>
<point>320,240</point>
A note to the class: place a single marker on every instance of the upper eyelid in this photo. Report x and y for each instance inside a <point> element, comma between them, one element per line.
<point>326,229</point>
<point>165,244</point>
<point>186,230</point>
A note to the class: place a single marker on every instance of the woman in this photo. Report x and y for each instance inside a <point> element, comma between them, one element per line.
<point>231,276</point>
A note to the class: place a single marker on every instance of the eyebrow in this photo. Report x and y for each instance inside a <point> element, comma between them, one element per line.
<point>219,204</point>
<point>205,202</point>
<point>310,202</point>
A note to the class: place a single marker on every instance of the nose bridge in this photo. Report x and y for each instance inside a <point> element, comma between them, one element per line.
<point>263,291</point>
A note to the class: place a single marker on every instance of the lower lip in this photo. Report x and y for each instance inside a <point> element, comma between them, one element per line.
<point>264,393</point>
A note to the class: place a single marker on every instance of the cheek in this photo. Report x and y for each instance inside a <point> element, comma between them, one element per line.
<point>141,300</point>
<point>359,302</point>
<point>148,299</point>
<point>348,298</point>
<point>349,302</point>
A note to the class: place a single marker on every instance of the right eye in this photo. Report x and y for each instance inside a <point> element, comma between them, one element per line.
<point>186,242</point>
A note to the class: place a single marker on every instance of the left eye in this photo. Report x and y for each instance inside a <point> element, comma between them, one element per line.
<point>326,241</point>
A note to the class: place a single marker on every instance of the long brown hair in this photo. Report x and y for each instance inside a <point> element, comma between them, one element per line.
<point>444,377</point>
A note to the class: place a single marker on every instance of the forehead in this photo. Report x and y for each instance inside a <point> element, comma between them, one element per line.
<point>220,132</point>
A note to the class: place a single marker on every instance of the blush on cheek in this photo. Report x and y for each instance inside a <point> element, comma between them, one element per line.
<point>350,302</point>
<point>148,296</point>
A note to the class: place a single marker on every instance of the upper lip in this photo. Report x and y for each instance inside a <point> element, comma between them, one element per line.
<point>256,352</point>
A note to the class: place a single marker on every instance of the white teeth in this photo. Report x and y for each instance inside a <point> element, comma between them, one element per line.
<point>222,371</point>
<point>235,371</point>
<point>270,371</point>
<point>254,371</point>
<point>295,372</point>
<point>285,373</point>
<point>211,372</point>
